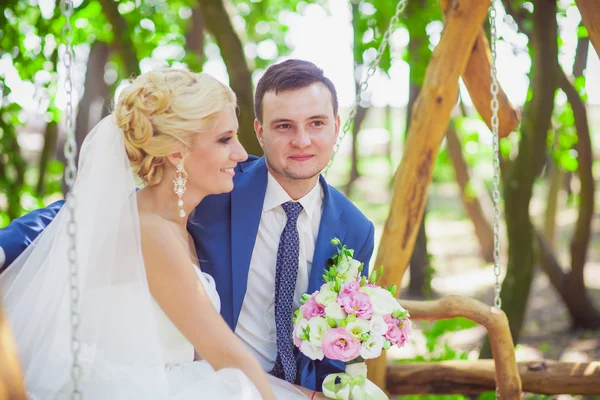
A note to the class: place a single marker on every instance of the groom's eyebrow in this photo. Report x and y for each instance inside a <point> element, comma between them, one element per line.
<point>320,116</point>
<point>280,120</point>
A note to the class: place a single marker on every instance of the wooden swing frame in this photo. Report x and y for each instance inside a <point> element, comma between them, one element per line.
<point>463,51</point>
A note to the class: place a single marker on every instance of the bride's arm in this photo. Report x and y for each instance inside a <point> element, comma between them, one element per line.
<point>177,289</point>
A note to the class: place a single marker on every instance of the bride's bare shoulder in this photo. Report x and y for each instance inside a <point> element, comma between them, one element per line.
<point>154,227</point>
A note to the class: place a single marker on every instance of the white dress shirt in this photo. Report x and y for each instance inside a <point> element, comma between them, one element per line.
<point>256,324</point>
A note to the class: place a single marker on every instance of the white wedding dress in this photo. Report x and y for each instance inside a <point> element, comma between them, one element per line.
<point>127,346</point>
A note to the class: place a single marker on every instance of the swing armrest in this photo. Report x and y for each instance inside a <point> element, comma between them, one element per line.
<point>493,319</point>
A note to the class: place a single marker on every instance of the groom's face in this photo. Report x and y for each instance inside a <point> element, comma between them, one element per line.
<point>298,131</point>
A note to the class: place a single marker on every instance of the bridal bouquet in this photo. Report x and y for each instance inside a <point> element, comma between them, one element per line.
<point>350,319</point>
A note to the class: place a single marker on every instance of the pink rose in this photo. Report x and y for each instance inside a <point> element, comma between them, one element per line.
<point>355,302</point>
<point>338,344</point>
<point>312,308</point>
<point>391,321</point>
<point>350,287</point>
<point>397,336</point>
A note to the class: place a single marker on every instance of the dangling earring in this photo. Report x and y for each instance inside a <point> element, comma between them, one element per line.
<point>179,187</point>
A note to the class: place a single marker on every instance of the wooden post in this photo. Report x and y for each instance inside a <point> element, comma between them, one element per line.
<point>430,117</point>
<point>496,323</point>
<point>473,377</point>
<point>590,14</point>
<point>11,380</point>
<point>478,80</point>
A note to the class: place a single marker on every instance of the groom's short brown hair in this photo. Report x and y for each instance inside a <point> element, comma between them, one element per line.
<point>290,75</point>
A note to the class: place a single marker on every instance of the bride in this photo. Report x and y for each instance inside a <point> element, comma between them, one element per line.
<point>149,323</point>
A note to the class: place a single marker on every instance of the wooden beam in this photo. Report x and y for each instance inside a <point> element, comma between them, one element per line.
<point>430,117</point>
<point>11,380</point>
<point>471,377</point>
<point>590,14</point>
<point>478,81</point>
<point>491,318</point>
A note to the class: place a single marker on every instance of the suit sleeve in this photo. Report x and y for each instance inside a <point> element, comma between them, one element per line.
<point>19,234</point>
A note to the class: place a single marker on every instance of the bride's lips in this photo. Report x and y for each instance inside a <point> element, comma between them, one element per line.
<point>301,157</point>
<point>228,171</point>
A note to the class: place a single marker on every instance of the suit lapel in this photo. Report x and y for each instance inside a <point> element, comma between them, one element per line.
<point>246,208</point>
<point>331,226</point>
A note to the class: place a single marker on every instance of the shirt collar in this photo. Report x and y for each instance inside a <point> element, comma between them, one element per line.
<point>276,195</point>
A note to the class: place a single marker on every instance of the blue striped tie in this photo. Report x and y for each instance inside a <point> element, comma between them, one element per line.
<point>285,286</point>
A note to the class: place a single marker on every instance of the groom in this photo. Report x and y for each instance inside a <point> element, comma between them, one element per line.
<point>279,198</point>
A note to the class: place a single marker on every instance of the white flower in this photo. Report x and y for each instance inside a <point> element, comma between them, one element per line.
<point>343,266</point>
<point>354,266</point>
<point>318,328</point>
<point>311,351</point>
<point>335,311</point>
<point>372,347</point>
<point>358,327</point>
<point>300,325</point>
<point>383,302</point>
<point>378,325</point>
<point>367,290</point>
<point>348,267</point>
<point>326,296</point>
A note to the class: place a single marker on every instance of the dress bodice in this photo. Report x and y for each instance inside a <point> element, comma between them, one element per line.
<point>175,347</point>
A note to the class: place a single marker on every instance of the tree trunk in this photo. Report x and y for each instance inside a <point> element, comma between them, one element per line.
<point>194,39</point>
<point>95,92</point>
<point>581,309</point>
<point>411,183</point>
<point>419,285</point>
<point>470,193</point>
<point>219,24</point>
<point>518,188</point>
<point>50,136</point>
<point>49,148</point>
<point>361,113</point>
<point>122,41</point>
<point>590,15</point>
<point>556,178</point>
<point>389,126</point>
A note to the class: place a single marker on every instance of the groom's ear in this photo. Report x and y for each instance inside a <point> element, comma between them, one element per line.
<point>338,122</point>
<point>259,131</point>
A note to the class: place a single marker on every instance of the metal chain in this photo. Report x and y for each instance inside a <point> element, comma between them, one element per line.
<point>495,123</point>
<point>496,163</point>
<point>70,151</point>
<point>365,83</point>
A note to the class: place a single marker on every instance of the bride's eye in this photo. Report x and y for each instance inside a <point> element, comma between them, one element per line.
<point>225,139</point>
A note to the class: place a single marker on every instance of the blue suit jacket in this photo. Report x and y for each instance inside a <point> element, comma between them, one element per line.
<point>224,228</point>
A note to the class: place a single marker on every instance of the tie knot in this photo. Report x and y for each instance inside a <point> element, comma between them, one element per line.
<point>292,209</point>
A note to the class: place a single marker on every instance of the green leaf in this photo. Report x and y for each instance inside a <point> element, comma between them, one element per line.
<point>568,160</point>
<point>582,32</point>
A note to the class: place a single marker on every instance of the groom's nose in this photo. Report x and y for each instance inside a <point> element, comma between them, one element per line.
<point>301,138</point>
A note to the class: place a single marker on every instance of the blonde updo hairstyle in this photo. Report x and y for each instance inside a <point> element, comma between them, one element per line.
<point>164,109</point>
